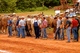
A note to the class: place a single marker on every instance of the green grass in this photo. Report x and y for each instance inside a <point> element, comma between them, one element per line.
<point>46,12</point>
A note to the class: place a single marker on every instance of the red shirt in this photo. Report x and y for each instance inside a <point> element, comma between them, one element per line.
<point>44,24</point>
<point>74,23</point>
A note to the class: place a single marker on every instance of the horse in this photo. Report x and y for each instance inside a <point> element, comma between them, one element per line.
<point>4,24</point>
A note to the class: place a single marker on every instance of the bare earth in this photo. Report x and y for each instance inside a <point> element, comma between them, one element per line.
<point>32,45</point>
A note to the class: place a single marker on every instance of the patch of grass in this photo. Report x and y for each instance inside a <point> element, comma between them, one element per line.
<point>46,12</point>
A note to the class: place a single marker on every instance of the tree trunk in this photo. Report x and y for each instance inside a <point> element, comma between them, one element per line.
<point>43,4</point>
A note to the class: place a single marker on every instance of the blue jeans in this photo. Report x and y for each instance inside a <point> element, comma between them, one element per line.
<point>62,33</point>
<point>68,32</point>
<point>10,30</point>
<point>57,33</point>
<point>36,29</point>
<point>22,31</point>
<point>44,33</point>
<point>18,31</point>
<point>74,31</point>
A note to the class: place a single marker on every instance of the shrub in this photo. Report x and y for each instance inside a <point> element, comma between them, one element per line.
<point>41,8</point>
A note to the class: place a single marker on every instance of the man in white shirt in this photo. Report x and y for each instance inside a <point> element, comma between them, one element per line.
<point>58,28</point>
<point>22,27</point>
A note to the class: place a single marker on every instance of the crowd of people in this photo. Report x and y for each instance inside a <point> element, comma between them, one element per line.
<point>36,25</point>
<point>25,26</point>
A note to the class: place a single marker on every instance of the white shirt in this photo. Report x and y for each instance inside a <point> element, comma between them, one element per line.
<point>38,21</point>
<point>22,22</point>
<point>58,23</point>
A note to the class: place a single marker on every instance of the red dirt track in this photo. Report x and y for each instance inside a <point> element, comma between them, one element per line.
<point>32,45</point>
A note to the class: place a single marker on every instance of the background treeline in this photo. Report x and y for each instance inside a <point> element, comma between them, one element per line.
<point>26,5</point>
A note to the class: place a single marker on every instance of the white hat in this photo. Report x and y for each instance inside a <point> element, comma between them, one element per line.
<point>14,13</point>
<point>71,9</point>
<point>67,10</point>
<point>57,12</point>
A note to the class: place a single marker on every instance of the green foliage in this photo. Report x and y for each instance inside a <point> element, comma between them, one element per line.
<point>41,8</point>
<point>26,5</point>
<point>37,9</point>
<point>7,5</point>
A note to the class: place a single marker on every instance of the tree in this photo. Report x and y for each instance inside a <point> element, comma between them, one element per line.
<point>25,5</point>
<point>8,5</point>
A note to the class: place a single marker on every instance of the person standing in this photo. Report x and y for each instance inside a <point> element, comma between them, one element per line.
<point>22,26</point>
<point>17,27</point>
<point>68,28</point>
<point>44,26</point>
<point>58,28</point>
<point>9,26</point>
<point>78,28</point>
<point>36,24</point>
<point>74,28</point>
<point>62,30</point>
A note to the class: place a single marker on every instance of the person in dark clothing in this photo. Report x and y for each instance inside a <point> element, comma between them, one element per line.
<point>68,28</point>
<point>17,27</point>
<point>78,27</point>
<point>36,27</point>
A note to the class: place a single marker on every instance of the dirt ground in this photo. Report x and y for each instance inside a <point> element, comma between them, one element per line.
<point>32,45</point>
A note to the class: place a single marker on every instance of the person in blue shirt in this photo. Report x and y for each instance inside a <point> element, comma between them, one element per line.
<point>9,27</point>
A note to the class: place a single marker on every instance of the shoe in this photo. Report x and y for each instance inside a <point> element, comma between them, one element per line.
<point>44,38</point>
<point>74,41</point>
<point>18,36</point>
<point>22,37</point>
<point>68,42</point>
<point>9,36</point>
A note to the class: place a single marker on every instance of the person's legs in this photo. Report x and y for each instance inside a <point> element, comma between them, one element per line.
<point>10,30</point>
<point>68,32</point>
<point>55,37</point>
<point>23,31</point>
<point>18,31</point>
<point>62,34</point>
<point>77,33</point>
<point>44,32</point>
<point>58,33</point>
<point>37,32</point>
<point>35,29</point>
<point>74,30</point>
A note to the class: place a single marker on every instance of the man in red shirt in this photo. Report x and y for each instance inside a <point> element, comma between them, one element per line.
<point>44,26</point>
<point>74,28</point>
